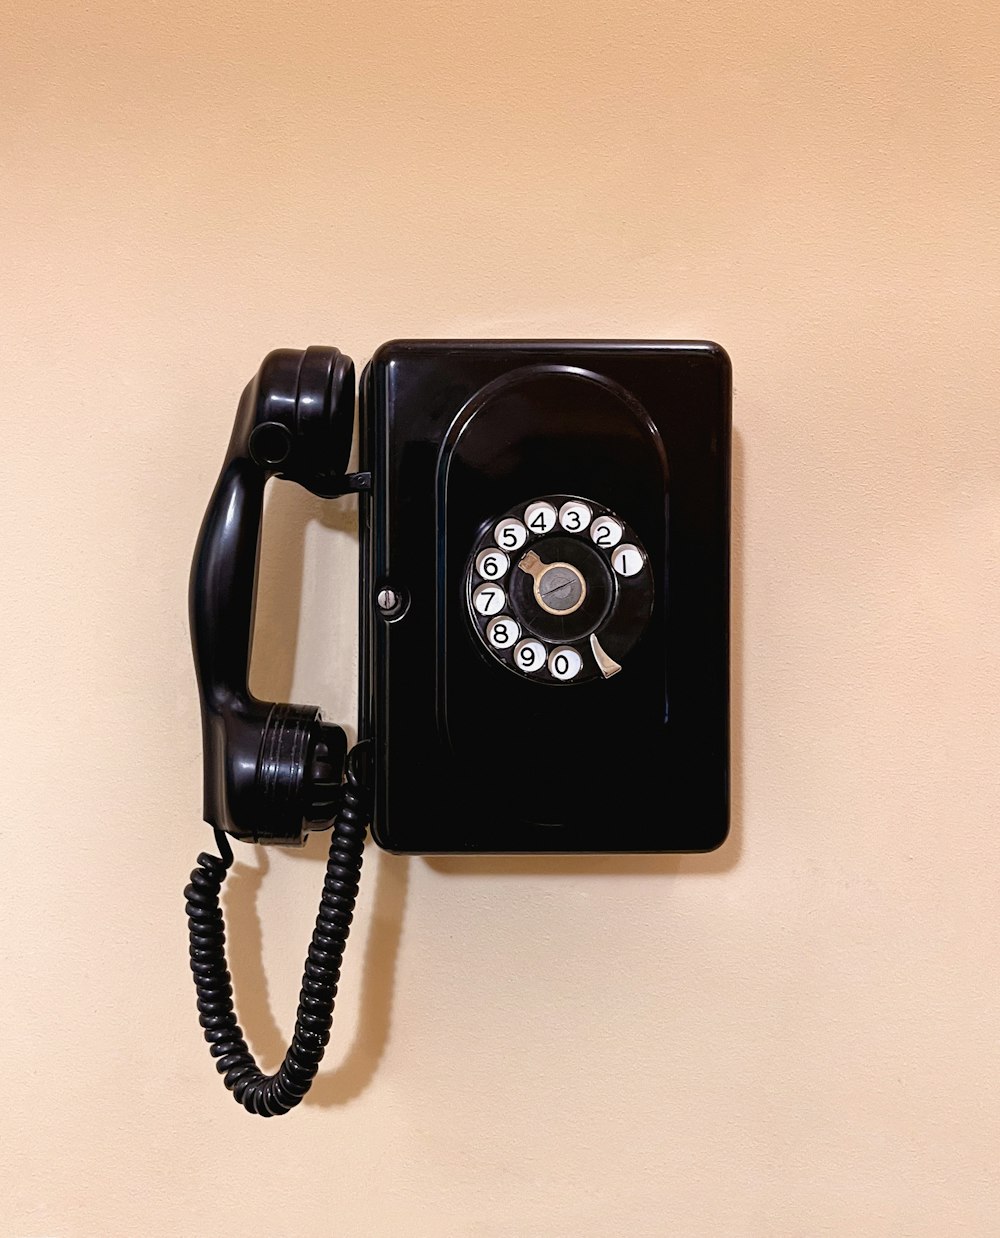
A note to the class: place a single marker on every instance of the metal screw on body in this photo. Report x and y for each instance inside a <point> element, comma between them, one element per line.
<point>387,599</point>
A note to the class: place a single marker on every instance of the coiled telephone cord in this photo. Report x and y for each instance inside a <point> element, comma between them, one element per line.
<point>268,1095</point>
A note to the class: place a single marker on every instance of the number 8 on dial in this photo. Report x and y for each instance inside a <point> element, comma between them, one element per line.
<point>502,632</point>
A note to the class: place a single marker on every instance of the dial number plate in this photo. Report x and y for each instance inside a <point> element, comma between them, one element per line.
<point>558,590</point>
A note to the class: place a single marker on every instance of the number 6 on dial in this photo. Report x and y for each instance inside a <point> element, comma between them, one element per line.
<point>492,564</point>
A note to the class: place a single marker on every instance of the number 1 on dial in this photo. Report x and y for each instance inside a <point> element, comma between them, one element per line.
<point>627,560</point>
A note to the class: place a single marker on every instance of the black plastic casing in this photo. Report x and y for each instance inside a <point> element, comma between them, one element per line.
<point>471,757</point>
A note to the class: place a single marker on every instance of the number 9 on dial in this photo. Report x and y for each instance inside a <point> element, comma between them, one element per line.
<point>530,656</point>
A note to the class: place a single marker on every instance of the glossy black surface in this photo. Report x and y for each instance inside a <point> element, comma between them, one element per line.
<point>271,770</point>
<point>471,757</point>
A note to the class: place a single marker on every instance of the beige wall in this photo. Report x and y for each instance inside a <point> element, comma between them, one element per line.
<point>795,1036</point>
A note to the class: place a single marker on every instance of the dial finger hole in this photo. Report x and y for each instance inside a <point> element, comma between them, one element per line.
<point>574,516</point>
<point>565,663</point>
<point>502,632</point>
<point>606,531</point>
<point>627,560</point>
<point>530,656</point>
<point>540,517</point>
<point>489,599</point>
<point>492,564</point>
<point>510,534</point>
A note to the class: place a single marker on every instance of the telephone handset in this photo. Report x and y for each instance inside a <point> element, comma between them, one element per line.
<point>544,625</point>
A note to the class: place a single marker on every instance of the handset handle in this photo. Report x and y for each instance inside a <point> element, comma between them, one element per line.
<point>272,771</point>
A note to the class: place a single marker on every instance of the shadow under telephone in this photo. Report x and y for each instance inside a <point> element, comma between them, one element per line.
<point>544,626</point>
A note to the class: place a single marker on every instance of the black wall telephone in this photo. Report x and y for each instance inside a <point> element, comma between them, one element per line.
<point>544,627</point>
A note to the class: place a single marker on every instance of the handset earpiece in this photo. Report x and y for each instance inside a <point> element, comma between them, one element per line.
<point>304,417</point>
<point>272,770</point>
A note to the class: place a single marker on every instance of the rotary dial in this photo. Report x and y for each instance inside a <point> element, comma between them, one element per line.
<point>559,590</point>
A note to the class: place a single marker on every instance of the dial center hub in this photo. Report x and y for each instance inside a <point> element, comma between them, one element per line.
<point>559,588</point>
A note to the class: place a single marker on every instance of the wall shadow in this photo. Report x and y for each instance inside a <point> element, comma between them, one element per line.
<point>289,510</point>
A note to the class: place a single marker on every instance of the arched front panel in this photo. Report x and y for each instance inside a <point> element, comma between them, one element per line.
<point>543,441</point>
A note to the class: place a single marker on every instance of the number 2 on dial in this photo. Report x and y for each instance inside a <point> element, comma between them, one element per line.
<point>606,531</point>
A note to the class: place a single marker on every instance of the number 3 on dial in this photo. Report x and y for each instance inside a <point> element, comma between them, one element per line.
<point>574,516</point>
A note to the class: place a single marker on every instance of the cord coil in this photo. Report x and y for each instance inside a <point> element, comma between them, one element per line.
<point>268,1095</point>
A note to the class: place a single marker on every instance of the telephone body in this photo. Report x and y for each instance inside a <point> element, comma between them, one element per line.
<point>544,621</point>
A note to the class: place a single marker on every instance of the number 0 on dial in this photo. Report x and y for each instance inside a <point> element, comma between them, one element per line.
<point>565,662</point>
